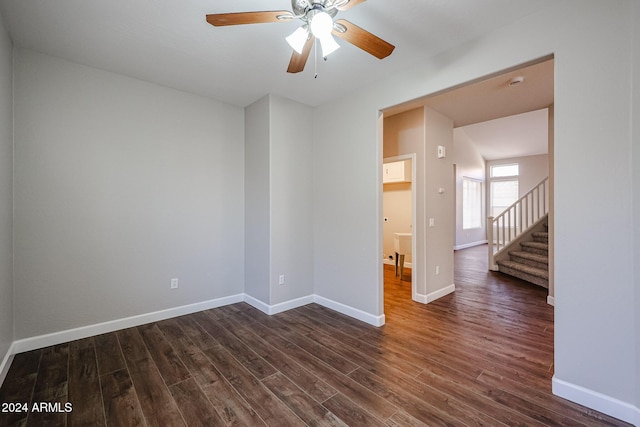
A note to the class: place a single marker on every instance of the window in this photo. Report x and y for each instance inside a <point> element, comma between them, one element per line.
<point>503,194</point>
<point>504,171</point>
<point>471,203</point>
<point>504,187</point>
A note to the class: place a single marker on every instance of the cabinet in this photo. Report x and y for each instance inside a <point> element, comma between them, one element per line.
<point>396,172</point>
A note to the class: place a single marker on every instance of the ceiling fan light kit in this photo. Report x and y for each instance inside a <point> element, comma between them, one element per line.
<point>298,38</point>
<point>329,45</point>
<point>317,17</point>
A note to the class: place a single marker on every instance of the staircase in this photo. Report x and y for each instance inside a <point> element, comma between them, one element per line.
<point>523,225</point>
<point>531,262</point>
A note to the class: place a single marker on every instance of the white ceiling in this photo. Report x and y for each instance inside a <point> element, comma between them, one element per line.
<point>494,97</point>
<point>503,121</point>
<point>170,43</point>
<point>514,136</point>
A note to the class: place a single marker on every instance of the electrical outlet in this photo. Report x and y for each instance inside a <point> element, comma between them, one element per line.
<point>281,279</point>
<point>174,283</point>
<point>437,270</point>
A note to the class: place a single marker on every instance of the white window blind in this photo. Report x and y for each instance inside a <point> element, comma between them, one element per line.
<point>471,203</point>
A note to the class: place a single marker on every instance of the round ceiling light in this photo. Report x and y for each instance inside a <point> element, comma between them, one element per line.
<point>321,25</point>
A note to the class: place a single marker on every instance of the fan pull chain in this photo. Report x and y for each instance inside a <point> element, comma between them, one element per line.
<point>315,59</point>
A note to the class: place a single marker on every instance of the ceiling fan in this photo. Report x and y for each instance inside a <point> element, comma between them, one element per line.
<point>317,22</point>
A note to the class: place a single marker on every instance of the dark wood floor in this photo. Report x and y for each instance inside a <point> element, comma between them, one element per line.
<point>480,356</point>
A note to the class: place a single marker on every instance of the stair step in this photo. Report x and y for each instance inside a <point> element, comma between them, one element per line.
<point>531,259</point>
<point>537,276</point>
<point>541,236</point>
<point>535,247</point>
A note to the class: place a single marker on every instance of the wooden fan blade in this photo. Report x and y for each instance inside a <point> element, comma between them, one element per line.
<point>362,39</point>
<point>240,18</point>
<point>350,4</point>
<point>299,60</point>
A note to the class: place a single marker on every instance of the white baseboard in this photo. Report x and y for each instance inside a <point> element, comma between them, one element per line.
<point>551,300</point>
<point>430,297</point>
<point>41,341</point>
<point>470,245</point>
<point>255,302</point>
<point>6,363</point>
<point>325,302</point>
<point>47,340</point>
<point>598,401</point>
<point>350,311</point>
<point>277,308</point>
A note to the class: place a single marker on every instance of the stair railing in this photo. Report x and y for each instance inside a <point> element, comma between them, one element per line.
<point>516,219</point>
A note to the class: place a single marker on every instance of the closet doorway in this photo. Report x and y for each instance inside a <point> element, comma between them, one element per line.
<point>399,217</point>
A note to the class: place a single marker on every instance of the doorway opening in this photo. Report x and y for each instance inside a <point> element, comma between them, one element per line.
<point>485,100</point>
<point>399,217</point>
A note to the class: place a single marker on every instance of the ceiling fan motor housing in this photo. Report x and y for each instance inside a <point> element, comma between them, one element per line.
<point>300,8</point>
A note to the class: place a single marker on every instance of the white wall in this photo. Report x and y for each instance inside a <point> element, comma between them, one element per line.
<point>291,199</point>
<point>551,217</point>
<point>636,192</point>
<point>439,205</point>
<point>591,41</point>
<point>469,164</point>
<point>278,200</point>
<point>120,185</point>
<point>6,194</point>
<point>257,200</point>
<point>347,166</point>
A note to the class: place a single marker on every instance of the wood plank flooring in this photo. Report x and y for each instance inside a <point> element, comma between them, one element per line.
<point>480,356</point>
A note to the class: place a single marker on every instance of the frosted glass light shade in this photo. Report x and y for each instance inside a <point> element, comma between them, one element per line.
<point>329,45</point>
<point>298,38</point>
<point>321,25</point>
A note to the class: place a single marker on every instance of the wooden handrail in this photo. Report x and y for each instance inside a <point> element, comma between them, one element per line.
<point>516,219</point>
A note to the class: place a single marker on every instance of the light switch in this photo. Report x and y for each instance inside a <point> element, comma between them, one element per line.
<point>442,152</point>
<point>432,222</point>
